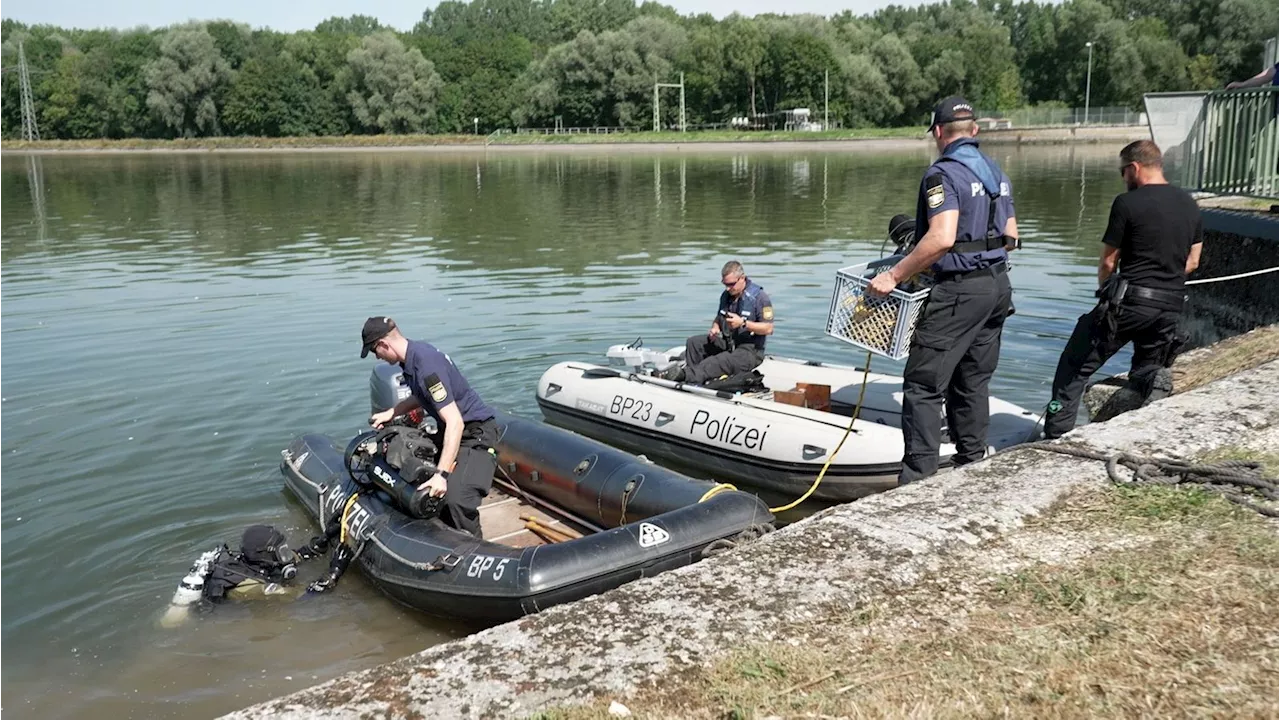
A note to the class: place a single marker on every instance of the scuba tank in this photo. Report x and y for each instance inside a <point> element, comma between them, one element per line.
<point>190,589</point>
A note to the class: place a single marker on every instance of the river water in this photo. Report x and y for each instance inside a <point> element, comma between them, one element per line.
<point>170,322</point>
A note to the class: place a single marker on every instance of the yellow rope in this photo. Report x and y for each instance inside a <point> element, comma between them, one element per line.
<point>852,418</point>
<point>342,525</point>
<point>722,487</point>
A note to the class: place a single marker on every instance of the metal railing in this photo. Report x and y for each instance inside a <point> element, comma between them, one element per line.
<point>1240,143</point>
<point>1221,142</point>
<point>562,130</point>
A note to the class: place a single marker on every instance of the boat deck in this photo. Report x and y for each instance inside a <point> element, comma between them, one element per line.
<point>501,521</point>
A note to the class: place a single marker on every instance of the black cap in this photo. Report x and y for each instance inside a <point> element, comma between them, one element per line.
<point>950,110</point>
<point>375,328</point>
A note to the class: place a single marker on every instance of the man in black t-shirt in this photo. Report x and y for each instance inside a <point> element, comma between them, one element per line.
<point>1153,240</point>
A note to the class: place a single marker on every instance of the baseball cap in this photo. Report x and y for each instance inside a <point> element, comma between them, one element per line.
<point>949,110</point>
<point>375,328</point>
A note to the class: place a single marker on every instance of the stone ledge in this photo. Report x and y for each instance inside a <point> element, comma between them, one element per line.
<point>610,643</point>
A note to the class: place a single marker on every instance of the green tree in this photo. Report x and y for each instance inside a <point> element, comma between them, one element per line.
<point>358,25</point>
<point>391,88</point>
<point>184,81</point>
<point>277,96</point>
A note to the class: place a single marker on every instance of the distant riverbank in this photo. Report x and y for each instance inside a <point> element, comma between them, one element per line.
<point>863,139</point>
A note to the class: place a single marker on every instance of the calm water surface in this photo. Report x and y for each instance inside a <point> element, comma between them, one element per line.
<point>170,322</point>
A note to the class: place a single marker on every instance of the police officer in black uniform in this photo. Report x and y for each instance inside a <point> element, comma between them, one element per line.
<point>1153,236</point>
<point>965,227</point>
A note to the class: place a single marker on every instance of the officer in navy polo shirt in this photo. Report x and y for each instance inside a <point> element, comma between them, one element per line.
<point>470,434</point>
<point>735,343</point>
<point>965,226</point>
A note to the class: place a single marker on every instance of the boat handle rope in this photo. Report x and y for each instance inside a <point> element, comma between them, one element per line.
<point>857,410</point>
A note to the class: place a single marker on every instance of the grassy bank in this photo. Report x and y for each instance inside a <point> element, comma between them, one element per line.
<point>406,141</point>
<point>1144,602</point>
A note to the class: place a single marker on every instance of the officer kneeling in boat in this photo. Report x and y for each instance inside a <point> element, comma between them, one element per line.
<point>965,227</point>
<point>467,457</point>
<point>735,343</point>
<point>1153,236</point>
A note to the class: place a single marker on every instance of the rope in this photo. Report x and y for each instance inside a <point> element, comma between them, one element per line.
<point>1233,277</point>
<point>342,524</point>
<point>722,487</point>
<point>751,532</point>
<point>1240,481</point>
<point>866,371</point>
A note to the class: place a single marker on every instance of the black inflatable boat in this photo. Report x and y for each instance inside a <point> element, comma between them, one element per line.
<point>612,518</point>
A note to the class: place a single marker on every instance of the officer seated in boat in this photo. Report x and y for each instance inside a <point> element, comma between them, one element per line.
<point>735,343</point>
<point>1151,244</point>
<point>470,433</point>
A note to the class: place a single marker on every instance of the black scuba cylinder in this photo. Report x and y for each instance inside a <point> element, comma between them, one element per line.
<point>405,494</point>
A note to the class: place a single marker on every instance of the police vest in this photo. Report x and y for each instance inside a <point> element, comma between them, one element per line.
<point>748,306</point>
<point>979,252</point>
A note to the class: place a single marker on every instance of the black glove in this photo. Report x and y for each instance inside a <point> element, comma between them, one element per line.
<point>318,546</point>
<point>342,557</point>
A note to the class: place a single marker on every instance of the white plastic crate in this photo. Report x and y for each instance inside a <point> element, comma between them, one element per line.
<point>882,325</point>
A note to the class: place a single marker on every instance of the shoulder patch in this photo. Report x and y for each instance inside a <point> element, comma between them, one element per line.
<point>934,191</point>
<point>436,389</point>
<point>767,313</point>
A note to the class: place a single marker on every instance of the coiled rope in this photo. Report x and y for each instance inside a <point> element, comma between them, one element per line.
<point>1239,481</point>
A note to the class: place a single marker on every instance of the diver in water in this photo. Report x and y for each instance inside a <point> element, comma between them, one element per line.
<point>264,566</point>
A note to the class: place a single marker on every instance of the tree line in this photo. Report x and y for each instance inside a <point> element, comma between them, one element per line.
<point>489,64</point>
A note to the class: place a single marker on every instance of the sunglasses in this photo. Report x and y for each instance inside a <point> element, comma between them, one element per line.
<point>1123,168</point>
<point>730,283</point>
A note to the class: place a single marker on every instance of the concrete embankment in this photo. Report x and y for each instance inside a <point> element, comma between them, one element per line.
<point>652,630</point>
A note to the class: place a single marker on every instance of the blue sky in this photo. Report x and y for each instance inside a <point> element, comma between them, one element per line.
<point>293,15</point>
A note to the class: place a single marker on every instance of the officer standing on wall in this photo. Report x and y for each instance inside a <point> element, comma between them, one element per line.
<point>470,433</point>
<point>965,227</point>
<point>1153,238</point>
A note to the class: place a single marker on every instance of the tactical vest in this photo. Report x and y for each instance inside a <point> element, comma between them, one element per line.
<point>748,306</point>
<point>982,252</point>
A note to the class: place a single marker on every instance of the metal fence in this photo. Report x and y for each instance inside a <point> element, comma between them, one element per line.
<point>1059,117</point>
<point>1223,141</point>
<point>562,130</point>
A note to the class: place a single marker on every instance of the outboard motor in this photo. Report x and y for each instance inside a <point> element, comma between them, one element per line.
<point>387,388</point>
<point>642,359</point>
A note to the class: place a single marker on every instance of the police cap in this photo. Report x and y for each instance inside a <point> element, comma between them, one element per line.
<point>950,109</point>
<point>375,328</point>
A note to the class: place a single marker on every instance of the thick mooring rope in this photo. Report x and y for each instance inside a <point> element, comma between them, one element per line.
<point>1240,481</point>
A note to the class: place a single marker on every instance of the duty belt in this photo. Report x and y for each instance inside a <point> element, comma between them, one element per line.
<point>977,246</point>
<point>1166,299</point>
<point>993,270</point>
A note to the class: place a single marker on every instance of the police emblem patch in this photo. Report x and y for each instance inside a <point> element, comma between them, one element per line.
<point>438,393</point>
<point>767,312</point>
<point>935,196</point>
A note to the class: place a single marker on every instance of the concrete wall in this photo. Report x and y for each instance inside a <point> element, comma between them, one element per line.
<point>1234,242</point>
<point>611,643</point>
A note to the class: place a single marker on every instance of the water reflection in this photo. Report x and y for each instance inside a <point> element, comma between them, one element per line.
<point>173,320</point>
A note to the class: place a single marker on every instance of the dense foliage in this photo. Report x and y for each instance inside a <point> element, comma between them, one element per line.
<point>491,64</point>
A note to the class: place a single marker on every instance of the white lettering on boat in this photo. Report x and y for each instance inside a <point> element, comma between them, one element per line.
<point>728,431</point>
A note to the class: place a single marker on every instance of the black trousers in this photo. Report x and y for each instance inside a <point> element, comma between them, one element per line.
<point>954,353</point>
<point>1152,331</point>
<point>707,358</point>
<point>472,476</point>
